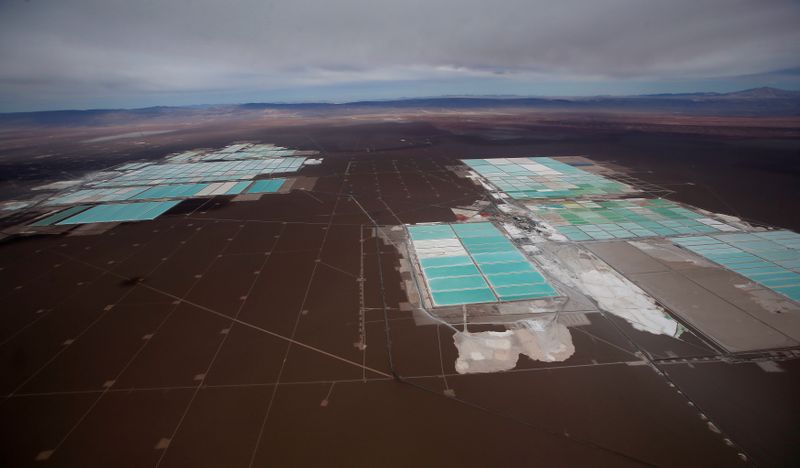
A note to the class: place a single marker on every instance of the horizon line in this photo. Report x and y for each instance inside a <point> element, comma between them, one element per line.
<point>411,98</point>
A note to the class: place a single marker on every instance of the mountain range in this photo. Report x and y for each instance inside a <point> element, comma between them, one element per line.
<point>750,102</point>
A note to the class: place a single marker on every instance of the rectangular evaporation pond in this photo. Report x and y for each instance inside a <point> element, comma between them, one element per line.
<point>432,232</point>
<point>266,186</point>
<point>467,296</point>
<point>511,276</point>
<point>61,215</point>
<point>118,212</point>
<point>770,258</point>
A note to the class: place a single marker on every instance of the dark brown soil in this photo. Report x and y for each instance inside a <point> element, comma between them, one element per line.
<point>224,334</point>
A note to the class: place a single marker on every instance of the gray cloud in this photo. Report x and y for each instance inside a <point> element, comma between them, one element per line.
<point>53,49</point>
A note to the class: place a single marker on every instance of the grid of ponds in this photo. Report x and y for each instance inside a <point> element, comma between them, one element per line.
<point>195,173</point>
<point>624,218</point>
<point>526,178</point>
<point>239,151</point>
<point>770,258</point>
<point>474,263</point>
<point>118,212</point>
<point>204,172</point>
<point>96,195</point>
<point>250,153</point>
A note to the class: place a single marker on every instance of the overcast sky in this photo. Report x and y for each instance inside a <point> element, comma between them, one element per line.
<point>57,54</point>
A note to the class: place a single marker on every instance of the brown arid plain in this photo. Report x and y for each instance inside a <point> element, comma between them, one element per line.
<point>226,333</point>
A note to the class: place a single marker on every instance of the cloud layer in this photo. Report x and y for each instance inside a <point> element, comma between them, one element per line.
<point>91,50</point>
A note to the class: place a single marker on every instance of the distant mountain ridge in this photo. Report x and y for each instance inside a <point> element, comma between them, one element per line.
<point>764,92</point>
<point>748,102</point>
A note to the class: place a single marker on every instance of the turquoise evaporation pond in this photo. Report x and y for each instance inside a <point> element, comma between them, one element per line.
<point>61,215</point>
<point>436,231</point>
<point>770,258</point>
<point>266,186</point>
<point>492,269</point>
<point>118,212</point>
